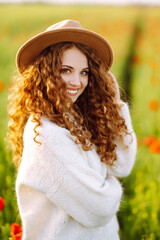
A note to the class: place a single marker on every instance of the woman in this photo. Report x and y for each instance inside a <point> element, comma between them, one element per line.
<point>71,135</point>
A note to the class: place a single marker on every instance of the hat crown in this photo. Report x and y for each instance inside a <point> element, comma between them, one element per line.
<point>65,24</point>
<point>64,31</point>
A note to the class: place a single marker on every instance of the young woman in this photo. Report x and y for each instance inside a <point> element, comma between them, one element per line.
<point>71,135</point>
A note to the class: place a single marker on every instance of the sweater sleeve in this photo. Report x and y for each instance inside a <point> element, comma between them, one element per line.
<point>58,169</point>
<point>125,156</point>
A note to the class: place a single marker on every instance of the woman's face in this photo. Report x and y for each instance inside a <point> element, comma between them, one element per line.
<point>74,72</point>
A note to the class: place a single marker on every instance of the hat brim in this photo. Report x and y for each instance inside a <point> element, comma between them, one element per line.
<point>34,46</point>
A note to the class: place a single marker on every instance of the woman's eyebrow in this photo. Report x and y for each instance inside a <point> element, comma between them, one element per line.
<point>67,66</point>
<point>72,67</point>
<point>87,68</point>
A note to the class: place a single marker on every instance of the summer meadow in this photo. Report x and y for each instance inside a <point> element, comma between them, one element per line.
<point>134,34</point>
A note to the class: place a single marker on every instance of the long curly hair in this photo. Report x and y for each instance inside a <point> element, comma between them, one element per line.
<point>40,90</point>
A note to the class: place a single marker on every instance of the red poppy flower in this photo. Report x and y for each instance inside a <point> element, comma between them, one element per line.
<point>136,59</point>
<point>155,147</point>
<point>1,203</point>
<point>16,231</point>
<point>147,141</point>
<point>18,236</point>
<point>1,85</point>
<point>153,105</point>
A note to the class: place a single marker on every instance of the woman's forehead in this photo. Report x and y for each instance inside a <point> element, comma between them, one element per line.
<point>73,57</point>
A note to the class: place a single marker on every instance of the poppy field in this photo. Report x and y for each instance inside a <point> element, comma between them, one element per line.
<point>134,34</point>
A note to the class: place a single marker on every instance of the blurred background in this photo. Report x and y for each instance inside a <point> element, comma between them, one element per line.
<point>133,29</point>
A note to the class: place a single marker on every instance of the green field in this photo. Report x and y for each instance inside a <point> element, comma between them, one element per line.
<point>134,34</point>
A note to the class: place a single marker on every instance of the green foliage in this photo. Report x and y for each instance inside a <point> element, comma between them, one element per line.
<point>140,209</point>
<point>9,213</point>
<point>140,213</point>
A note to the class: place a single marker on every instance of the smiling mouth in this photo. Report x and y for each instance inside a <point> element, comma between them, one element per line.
<point>72,92</point>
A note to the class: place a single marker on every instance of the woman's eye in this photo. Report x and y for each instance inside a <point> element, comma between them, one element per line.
<point>84,72</point>
<point>65,70</point>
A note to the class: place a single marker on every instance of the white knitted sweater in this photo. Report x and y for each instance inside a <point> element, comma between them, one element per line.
<point>65,193</point>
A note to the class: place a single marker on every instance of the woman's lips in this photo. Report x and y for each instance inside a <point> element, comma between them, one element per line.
<point>72,92</point>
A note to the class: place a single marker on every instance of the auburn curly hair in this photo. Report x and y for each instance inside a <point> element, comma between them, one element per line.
<point>40,90</point>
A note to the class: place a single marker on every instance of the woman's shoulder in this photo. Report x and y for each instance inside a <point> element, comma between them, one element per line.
<point>46,129</point>
<point>45,124</point>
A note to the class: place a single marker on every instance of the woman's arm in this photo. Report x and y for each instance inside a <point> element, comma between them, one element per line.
<point>58,169</point>
<point>125,156</point>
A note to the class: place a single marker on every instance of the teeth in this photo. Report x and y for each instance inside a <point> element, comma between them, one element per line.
<point>72,91</point>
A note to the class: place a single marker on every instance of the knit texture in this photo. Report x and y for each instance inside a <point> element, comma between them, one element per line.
<point>66,193</point>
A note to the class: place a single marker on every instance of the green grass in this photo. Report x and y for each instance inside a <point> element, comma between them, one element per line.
<point>142,208</point>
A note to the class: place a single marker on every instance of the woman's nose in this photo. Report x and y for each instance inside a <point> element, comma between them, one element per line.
<point>76,80</point>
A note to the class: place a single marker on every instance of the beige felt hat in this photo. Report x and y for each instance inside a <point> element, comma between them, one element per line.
<point>64,31</point>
